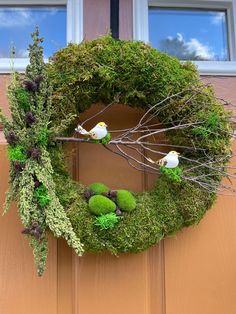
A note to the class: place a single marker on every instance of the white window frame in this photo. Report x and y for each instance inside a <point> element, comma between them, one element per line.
<point>74,26</point>
<point>141,32</point>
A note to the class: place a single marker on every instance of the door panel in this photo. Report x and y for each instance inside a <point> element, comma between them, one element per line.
<point>105,283</point>
<point>21,291</point>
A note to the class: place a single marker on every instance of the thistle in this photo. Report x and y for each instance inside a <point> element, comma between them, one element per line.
<point>11,138</point>
<point>30,118</point>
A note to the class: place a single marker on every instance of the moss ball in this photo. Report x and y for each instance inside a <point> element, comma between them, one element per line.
<point>99,204</point>
<point>98,188</point>
<point>125,200</point>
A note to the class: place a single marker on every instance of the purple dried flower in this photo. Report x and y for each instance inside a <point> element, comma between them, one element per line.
<point>18,166</point>
<point>38,80</point>
<point>34,225</point>
<point>26,231</point>
<point>34,153</point>
<point>30,86</point>
<point>11,138</point>
<point>105,194</point>
<point>30,118</point>
<point>36,183</point>
<point>112,195</point>
<point>87,194</point>
<point>34,230</point>
<point>118,212</point>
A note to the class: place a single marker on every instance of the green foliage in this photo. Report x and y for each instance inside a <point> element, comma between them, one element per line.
<point>16,153</point>
<point>99,204</point>
<point>125,200</point>
<point>174,174</point>
<point>210,125</point>
<point>41,195</point>
<point>107,221</point>
<point>98,188</point>
<point>40,251</point>
<point>23,98</point>
<point>43,136</point>
<point>40,204</point>
<point>104,140</point>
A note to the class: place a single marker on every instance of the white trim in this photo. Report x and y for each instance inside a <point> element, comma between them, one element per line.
<point>141,32</point>
<point>74,27</point>
<point>75,31</point>
<point>221,68</point>
<point>140,20</point>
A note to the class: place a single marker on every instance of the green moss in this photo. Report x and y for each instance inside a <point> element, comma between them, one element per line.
<point>104,140</point>
<point>212,121</point>
<point>125,200</point>
<point>99,204</point>
<point>174,174</point>
<point>131,70</point>
<point>22,98</point>
<point>16,153</point>
<point>41,195</point>
<point>43,136</point>
<point>107,221</point>
<point>98,188</point>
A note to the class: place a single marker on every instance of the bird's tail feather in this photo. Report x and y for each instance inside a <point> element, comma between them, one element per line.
<point>151,161</point>
<point>81,130</point>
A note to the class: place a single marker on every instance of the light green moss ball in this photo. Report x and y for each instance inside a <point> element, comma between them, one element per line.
<point>125,200</point>
<point>99,204</point>
<point>98,188</point>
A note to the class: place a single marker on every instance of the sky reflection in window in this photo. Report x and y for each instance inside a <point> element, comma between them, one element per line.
<point>17,23</point>
<point>189,34</point>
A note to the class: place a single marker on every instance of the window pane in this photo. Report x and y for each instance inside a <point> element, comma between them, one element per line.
<point>189,34</point>
<point>16,25</point>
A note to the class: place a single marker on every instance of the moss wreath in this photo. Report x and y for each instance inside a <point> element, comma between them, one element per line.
<point>45,103</point>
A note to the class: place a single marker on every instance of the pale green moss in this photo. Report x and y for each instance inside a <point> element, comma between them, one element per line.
<point>99,204</point>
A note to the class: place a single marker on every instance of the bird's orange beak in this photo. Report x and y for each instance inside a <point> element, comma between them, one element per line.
<point>106,125</point>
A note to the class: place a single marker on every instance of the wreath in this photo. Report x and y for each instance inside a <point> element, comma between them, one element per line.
<point>45,105</point>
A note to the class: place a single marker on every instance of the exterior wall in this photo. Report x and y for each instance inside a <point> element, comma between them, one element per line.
<point>190,273</point>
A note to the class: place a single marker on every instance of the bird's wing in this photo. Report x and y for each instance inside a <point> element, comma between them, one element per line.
<point>162,161</point>
<point>81,130</point>
<point>93,134</point>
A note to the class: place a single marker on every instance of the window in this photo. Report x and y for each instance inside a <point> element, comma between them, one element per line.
<point>189,34</point>
<point>59,22</point>
<point>199,30</point>
<point>17,23</point>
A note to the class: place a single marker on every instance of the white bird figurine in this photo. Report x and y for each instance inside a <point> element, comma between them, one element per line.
<point>96,133</point>
<point>171,160</point>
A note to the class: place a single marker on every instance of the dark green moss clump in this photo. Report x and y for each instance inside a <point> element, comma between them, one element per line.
<point>16,153</point>
<point>42,196</point>
<point>173,174</point>
<point>23,98</point>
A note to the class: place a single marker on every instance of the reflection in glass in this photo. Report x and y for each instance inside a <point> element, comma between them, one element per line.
<point>189,34</point>
<point>17,23</point>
